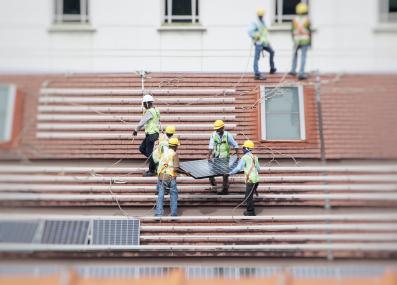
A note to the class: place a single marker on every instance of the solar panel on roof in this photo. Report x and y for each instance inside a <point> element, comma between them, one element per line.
<point>209,168</point>
<point>65,232</point>
<point>17,232</point>
<point>116,232</point>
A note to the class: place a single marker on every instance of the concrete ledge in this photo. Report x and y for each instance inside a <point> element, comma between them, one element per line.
<point>74,28</point>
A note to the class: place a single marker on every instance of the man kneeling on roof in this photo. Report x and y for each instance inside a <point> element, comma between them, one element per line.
<point>250,164</point>
<point>167,171</point>
<point>219,147</point>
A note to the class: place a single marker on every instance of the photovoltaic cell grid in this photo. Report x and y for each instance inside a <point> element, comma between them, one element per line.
<point>116,232</point>
<point>17,232</point>
<point>209,168</point>
<point>65,232</point>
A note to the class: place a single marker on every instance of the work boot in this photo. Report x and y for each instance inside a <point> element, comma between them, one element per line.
<point>302,77</point>
<point>260,77</point>
<point>224,191</point>
<point>292,73</point>
<point>273,70</point>
<point>246,213</point>
<point>149,173</point>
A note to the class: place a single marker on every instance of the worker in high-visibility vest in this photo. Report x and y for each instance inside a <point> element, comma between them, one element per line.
<point>163,143</point>
<point>302,37</point>
<point>260,37</point>
<point>167,171</point>
<point>151,122</point>
<point>250,164</point>
<point>219,147</point>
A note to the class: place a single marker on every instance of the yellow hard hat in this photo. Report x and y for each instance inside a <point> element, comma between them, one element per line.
<point>260,12</point>
<point>301,8</point>
<point>170,129</point>
<point>218,124</point>
<point>173,142</point>
<point>249,144</point>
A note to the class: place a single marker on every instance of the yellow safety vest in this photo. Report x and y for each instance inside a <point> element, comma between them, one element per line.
<point>153,125</point>
<point>300,30</point>
<point>160,147</point>
<point>166,163</point>
<point>250,171</point>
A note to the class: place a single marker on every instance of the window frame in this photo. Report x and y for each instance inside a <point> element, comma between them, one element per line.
<point>278,17</point>
<point>384,15</point>
<point>60,18</point>
<point>262,114</point>
<point>169,18</point>
<point>10,113</point>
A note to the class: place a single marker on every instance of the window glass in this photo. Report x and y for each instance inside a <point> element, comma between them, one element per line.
<point>71,7</point>
<point>281,114</point>
<point>392,6</point>
<point>4,113</point>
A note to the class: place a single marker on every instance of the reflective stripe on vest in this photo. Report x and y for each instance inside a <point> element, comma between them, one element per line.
<point>222,147</point>
<point>166,163</point>
<point>250,171</point>
<point>153,125</point>
<point>300,30</point>
<point>261,33</point>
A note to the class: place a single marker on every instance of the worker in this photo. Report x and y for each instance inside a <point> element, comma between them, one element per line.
<point>250,164</point>
<point>260,37</point>
<point>219,147</point>
<point>151,123</point>
<point>302,37</point>
<point>163,143</point>
<point>167,171</point>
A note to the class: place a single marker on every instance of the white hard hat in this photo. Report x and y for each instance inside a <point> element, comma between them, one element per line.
<point>147,98</point>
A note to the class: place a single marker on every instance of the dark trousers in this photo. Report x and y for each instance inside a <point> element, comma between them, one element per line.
<point>146,148</point>
<point>250,190</point>
<point>225,185</point>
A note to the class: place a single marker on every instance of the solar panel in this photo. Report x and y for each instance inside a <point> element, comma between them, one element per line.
<point>17,231</point>
<point>209,168</point>
<point>116,232</point>
<point>65,232</point>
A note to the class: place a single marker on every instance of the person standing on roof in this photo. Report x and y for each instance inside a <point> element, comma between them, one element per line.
<point>151,123</point>
<point>260,37</point>
<point>302,37</point>
<point>163,143</point>
<point>250,164</point>
<point>167,171</point>
<point>219,147</point>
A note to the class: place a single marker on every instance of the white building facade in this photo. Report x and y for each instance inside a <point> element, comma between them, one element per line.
<point>190,35</point>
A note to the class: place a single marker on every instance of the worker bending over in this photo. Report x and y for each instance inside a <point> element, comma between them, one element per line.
<point>167,171</point>
<point>250,164</point>
<point>163,143</point>
<point>219,147</point>
<point>151,123</point>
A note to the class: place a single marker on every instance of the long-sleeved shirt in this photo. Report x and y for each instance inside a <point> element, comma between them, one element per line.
<point>240,166</point>
<point>145,118</point>
<point>230,140</point>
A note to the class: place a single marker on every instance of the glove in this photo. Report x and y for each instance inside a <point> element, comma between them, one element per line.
<point>134,133</point>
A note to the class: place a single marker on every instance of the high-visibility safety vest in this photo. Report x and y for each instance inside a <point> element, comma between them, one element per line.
<point>221,145</point>
<point>153,125</point>
<point>166,163</point>
<point>300,30</point>
<point>261,33</point>
<point>160,148</point>
<point>250,171</point>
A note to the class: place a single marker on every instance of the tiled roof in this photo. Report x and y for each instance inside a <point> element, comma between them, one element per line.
<point>92,115</point>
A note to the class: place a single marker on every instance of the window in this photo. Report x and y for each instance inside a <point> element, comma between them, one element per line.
<point>282,113</point>
<point>388,10</point>
<point>285,10</point>
<point>7,106</point>
<point>71,11</point>
<point>181,11</point>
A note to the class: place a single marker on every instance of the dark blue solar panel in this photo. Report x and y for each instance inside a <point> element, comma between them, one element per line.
<point>209,168</point>
<point>116,232</point>
<point>17,231</point>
